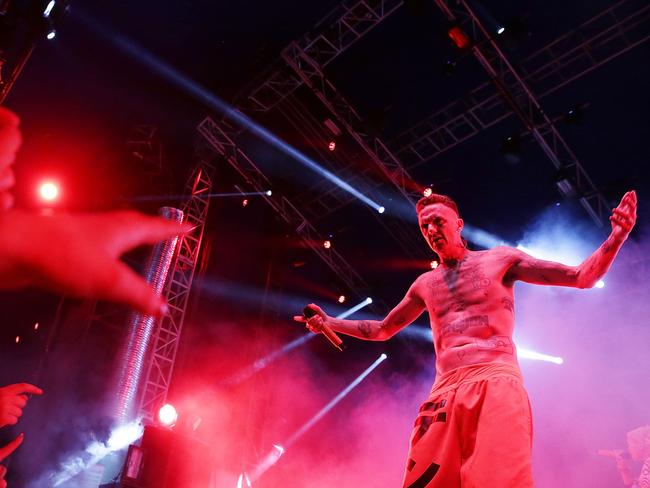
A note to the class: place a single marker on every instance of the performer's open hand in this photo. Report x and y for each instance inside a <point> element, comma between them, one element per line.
<point>79,254</point>
<point>13,399</point>
<point>623,217</point>
<point>10,141</point>
<point>315,323</point>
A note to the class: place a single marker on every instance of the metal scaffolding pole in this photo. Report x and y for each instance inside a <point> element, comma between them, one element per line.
<point>155,386</point>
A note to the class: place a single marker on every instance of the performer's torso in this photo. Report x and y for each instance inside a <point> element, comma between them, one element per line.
<point>471,306</point>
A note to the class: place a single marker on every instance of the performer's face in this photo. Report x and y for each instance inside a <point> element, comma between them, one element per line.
<point>440,226</point>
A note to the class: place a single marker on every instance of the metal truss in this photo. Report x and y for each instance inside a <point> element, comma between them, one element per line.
<point>164,346</point>
<point>592,44</point>
<point>324,43</point>
<point>219,135</point>
<point>144,143</point>
<point>404,233</point>
<point>597,41</point>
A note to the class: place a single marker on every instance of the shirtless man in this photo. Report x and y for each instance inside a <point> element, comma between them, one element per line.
<point>475,429</point>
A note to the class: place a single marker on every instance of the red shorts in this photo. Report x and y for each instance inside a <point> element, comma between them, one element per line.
<point>474,431</point>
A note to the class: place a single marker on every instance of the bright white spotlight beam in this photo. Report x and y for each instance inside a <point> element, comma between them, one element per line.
<point>278,450</point>
<point>199,92</point>
<point>270,358</point>
<point>538,356</point>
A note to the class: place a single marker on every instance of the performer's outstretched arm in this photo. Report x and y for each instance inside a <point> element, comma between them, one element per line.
<point>531,270</point>
<point>402,315</point>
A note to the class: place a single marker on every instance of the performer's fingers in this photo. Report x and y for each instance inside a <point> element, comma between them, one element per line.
<point>316,308</point>
<point>299,318</point>
<point>124,285</point>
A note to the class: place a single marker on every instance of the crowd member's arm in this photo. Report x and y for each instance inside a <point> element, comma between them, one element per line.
<point>538,271</point>
<point>402,315</point>
<point>79,255</point>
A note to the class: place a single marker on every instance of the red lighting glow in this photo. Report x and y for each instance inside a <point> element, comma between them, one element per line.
<point>342,299</point>
<point>48,191</point>
<point>458,36</point>
<point>331,146</point>
<point>167,415</point>
<point>17,339</point>
<point>434,264</point>
<point>327,244</point>
<point>244,202</point>
<point>427,192</point>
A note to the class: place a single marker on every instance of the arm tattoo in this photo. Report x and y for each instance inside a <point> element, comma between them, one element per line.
<point>365,328</point>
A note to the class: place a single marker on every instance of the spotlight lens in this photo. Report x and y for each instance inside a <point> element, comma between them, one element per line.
<point>167,415</point>
<point>327,244</point>
<point>381,210</point>
<point>51,35</point>
<point>49,191</point>
<point>427,192</point>
<point>501,30</point>
<point>369,300</point>
<point>342,299</point>
<point>434,264</point>
<point>269,193</point>
<point>331,146</point>
<point>600,284</point>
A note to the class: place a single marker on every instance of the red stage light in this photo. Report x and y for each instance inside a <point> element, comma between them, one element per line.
<point>17,339</point>
<point>434,264</point>
<point>331,146</point>
<point>327,244</point>
<point>48,191</point>
<point>427,192</point>
<point>167,415</point>
<point>458,36</point>
<point>244,202</point>
<point>342,299</point>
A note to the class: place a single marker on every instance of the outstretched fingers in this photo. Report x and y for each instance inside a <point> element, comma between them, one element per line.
<point>6,450</point>
<point>130,229</point>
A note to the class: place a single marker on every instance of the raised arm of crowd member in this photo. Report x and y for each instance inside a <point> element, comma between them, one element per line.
<point>5,451</point>
<point>13,399</point>
<point>10,140</point>
<point>585,275</point>
<point>79,254</point>
<point>402,315</point>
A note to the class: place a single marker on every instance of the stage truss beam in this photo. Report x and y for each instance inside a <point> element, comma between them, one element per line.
<point>164,348</point>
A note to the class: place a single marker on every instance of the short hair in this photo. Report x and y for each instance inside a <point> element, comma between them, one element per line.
<point>436,198</point>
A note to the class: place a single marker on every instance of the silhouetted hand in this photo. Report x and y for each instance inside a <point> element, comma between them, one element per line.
<point>10,141</point>
<point>315,322</point>
<point>5,451</point>
<point>79,254</point>
<point>13,399</point>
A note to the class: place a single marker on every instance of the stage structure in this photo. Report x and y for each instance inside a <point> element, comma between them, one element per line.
<point>597,41</point>
<point>219,135</point>
<point>160,364</point>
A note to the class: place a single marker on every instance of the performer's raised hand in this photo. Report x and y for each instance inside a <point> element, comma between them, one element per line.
<point>13,399</point>
<point>79,254</point>
<point>623,217</point>
<point>316,321</point>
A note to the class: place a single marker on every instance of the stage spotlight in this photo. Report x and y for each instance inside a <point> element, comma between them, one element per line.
<point>167,415</point>
<point>342,299</point>
<point>381,210</point>
<point>51,34</point>
<point>600,284</point>
<point>269,193</point>
<point>244,202</point>
<point>434,264</point>
<point>36,326</point>
<point>427,192</point>
<point>17,339</point>
<point>501,30</point>
<point>49,191</point>
<point>327,244</point>
<point>331,146</point>
<point>48,8</point>
<point>511,149</point>
<point>458,37</point>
